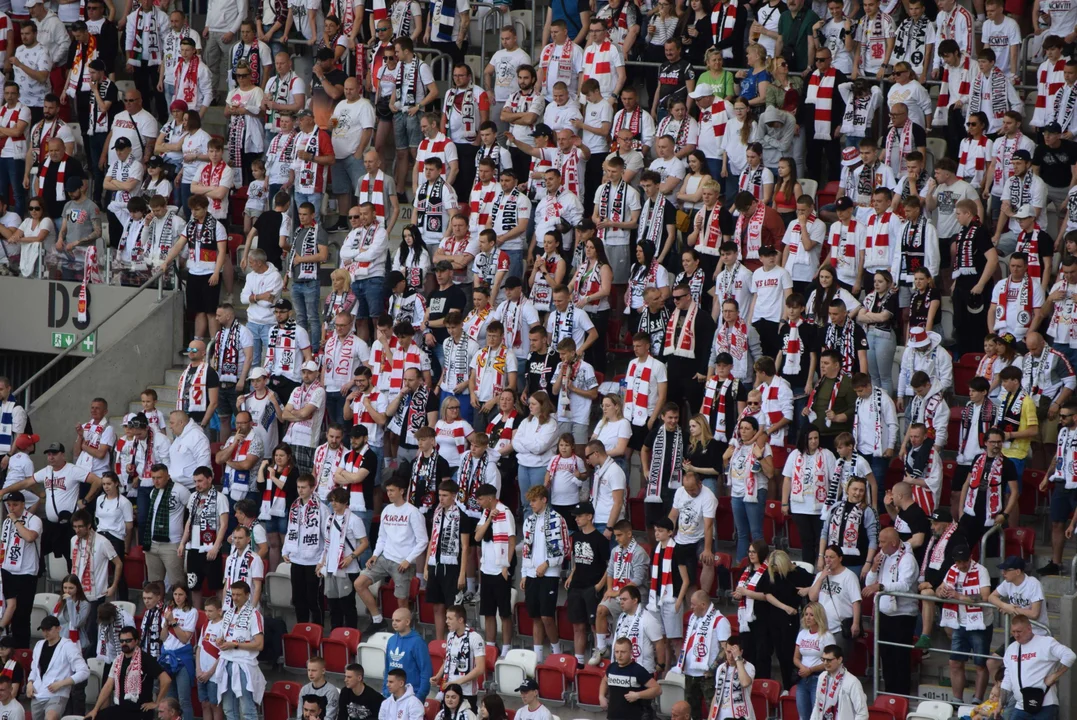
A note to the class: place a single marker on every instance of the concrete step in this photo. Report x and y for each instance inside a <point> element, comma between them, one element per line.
<point>166,394</point>
<point>172,376</point>
<point>165,407</point>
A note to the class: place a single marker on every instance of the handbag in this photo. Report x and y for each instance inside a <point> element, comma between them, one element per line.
<point>684,221</point>
<point>1032,697</point>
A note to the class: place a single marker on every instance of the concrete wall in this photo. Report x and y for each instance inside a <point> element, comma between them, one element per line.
<point>1067,635</point>
<point>117,373</point>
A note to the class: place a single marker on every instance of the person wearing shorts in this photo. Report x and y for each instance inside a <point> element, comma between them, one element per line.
<point>664,601</point>
<point>628,565</point>
<point>545,548</point>
<point>402,540</point>
<point>450,543</point>
<point>408,105</point>
<point>967,637</point>
<point>205,662</point>
<point>590,555</point>
<point>207,241</point>
<point>368,246</point>
<point>496,530</point>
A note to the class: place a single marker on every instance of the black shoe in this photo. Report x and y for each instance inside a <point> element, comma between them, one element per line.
<point>341,226</point>
<point>377,626</point>
<point>402,198</point>
<point>1049,569</point>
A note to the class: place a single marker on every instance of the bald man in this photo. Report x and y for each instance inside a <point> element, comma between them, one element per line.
<point>385,202</point>
<point>895,570</point>
<point>681,710</point>
<point>407,651</point>
<point>706,634</point>
<point>910,520</point>
<point>352,125</point>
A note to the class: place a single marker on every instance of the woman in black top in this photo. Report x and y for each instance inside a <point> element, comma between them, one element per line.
<point>694,30</point>
<point>780,587</point>
<point>877,316</point>
<point>925,304</point>
<point>703,455</point>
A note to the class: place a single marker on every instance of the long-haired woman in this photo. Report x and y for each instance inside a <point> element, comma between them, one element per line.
<point>781,588</point>
<point>805,476</point>
<point>591,289</point>
<point>879,316</point>
<point>535,443</point>
<point>412,258</point>
<point>751,603</point>
<point>614,431</point>
<point>808,655</point>
<point>278,477</point>
<point>177,651</point>
<point>749,464</point>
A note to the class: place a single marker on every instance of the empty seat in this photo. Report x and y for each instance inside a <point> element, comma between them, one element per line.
<point>44,605</point>
<point>769,691</point>
<point>278,586</point>
<point>789,707</point>
<point>340,648</point>
<point>275,706</point>
<point>372,656</point>
<point>290,690</point>
<point>588,681</point>
<point>933,710</point>
<point>511,670</point>
<point>300,644</point>
<point>437,651</point>
<point>556,678</point>
<point>899,706</point>
<point>672,692</point>
<point>431,708</point>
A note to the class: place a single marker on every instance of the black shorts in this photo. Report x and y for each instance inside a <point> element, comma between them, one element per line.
<point>227,400</point>
<point>201,297</point>
<point>200,567</point>
<point>687,556</point>
<point>441,584</point>
<point>540,594</point>
<point>639,434</point>
<point>654,511</point>
<point>495,596</point>
<point>568,513</point>
<point>582,604</point>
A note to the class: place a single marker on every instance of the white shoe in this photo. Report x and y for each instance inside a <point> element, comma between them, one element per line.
<point>596,657</point>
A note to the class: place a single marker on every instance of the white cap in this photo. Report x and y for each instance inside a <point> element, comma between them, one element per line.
<point>702,90</point>
<point>310,365</point>
<point>31,3</point>
<point>257,373</point>
<point>1024,212</point>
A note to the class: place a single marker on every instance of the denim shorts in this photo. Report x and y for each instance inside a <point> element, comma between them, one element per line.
<point>207,692</point>
<point>346,173</point>
<point>1063,503</point>
<point>277,525</point>
<point>977,641</point>
<point>369,297</point>
<point>406,130</point>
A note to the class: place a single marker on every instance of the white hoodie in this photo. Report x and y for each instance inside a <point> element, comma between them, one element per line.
<point>406,707</point>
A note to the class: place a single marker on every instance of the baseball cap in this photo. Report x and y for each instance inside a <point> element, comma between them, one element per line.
<point>257,373</point>
<point>942,514</point>
<point>844,203</point>
<point>1022,155</point>
<point>1052,127</point>
<point>121,143</point>
<point>702,90</point>
<point>283,304</point>
<point>49,621</point>
<point>55,448</point>
<point>156,161</point>
<point>542,129</point>
<point>304,113</point>
<point>31,3</point>
<point>14,497</point>
<point>962,552</point>
<point>73,183</point>
<point>584,508</point>
<point>310,366</point>
<point>528,685</point>
<point>1013,562</point>
<point>24,442</point>
<point>1024,212</point>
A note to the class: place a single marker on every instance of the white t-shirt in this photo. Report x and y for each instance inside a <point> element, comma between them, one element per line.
<point>188,620</point>
<point>1014,322</point>
<point>594,114</point>
<point>61,488</point>
<point>195,541</point>
<point>564,485</point>
<point>581,325</point>
<point>26,562</point>
<point>837,595</point>
<point>800,264</point>
<point>560,117</point>
<point>446,440</point>
<point>610,433</point>
<point>739,466</point>
<point>212,632</point>
<point>1023,595</point>
<point>674,167</point>
<point>100,565</point>
<point>505,63</point>
<point>457,649</point>
<point>999,37</point>
<point>609,477</point>
<point>198,144</point>
<point>643,629</point>
<point>352,119</point>
<point>769,288</point>
<point>305,433</point>
<point>579,407</point>
<point>811,646</point>
<point>36,58</point>
<point>140,128</point>
<point>112,515</point>
<point>692,511</point>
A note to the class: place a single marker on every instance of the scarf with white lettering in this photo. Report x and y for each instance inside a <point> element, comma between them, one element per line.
<point>556,533</point>
<point>659,462</point>
<point>444,548</point>
<point>966,585</point>
<point>844,527</point>
<point>994,487</point>
<point>997,91</point>
<point>826,702</point>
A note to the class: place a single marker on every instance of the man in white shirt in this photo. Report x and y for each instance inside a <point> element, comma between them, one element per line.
<point>304,411</point>
<point>895,568</point>
<point>909,92</point>
<point>64,484</point>
<point>1023,196</point>
<point>616,215</point>
<point>22,543</point>
<point>91,557</point>
<point>189,449</point>
<point>204,533</point>
<point>233,356</point>
<point>223,18</point>
<point>602,60</point>
<point>363,255</point>
<point>1043,661</point>
<point>875,428</point>
<point>262,286</point>
<point>562,112</point>
<point>94,440</point>
<point>559,210</point>
<point>31,64</point>
<point>561,61</point>
<point>669,166</point>
<point>1023,593</point>
<point>164,528</point>
<point>144,45</point>
<point>771,285</point>
<point>642,629</point>
<point>343,353</point>
<point>544,550</point>
<point>693,513</point>
<point>803,243</point>
<point>352,126</point>
<point>499,75</point>
<point>1014,300</point>
<point>193,78</point>
<point>838,692</point>
<point>55,672</point>
<point>1003,35</point>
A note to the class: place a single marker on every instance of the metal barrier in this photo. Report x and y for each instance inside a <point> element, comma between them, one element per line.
<point>875,671</point>
<point>1073,575</point>
<point>993,530</point>
<point>440,59</point>
<point>25,387</point>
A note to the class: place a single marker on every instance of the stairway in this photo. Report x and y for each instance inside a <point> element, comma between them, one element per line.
<point>166,399</point>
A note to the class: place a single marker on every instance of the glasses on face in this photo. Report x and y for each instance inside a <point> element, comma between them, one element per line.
<point>1066,416</point>
<point>679,297</point>
<point>355,217</point>
<point>243,74</point>
<point>127,641</point>
<point>383,29</point>
<point>35,208</point>
<point>587,456</point>
<point>822,59</point>
<point>754,404</point>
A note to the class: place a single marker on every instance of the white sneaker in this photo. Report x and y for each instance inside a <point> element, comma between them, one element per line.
<point>596,657</point>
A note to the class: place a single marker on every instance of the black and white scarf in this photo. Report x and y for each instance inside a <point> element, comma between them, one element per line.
<point>428,203</point>
<point>910,40</point>
<point>844,527</point>
<point>913,239</point>
<point>1021,190</point>
<point>228,350</point>
<point>445,536</point>
<point>999,90</point>
<point>422,488</point>
<point>658,462</point>
<point>1063,109</point>
<point>151,630</point>
<point>611,204</point>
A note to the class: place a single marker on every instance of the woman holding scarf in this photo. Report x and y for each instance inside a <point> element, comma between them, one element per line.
<point>852,524</point>
<point>243,108</point>
<point>781,587</point>
<point>177,654</point>
<point>277,480</point>
<point>749,464</point>
<point>837,589</point>
<point>751,603</point>
<point>591,287</point>
<point>804,490</point>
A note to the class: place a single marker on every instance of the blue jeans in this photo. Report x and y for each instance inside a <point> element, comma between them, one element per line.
<point>184,194</point>
<point>526,478</point>
<point>305,297</point>
<point>1019,466</point>
<point>11,174</point>
<point>516,266</point>
<point>379,452</point>
<point>241,707</point>
<point>369,297</point>
<point>748,518</point>
<point>881,347</point>
<point>170,95</point>
<point>1065,349</point>
<point>334,406</point>
<point>314,199</point>
<point>710,482</point>
<point>806,695</point>
<point>143,501</point>
<point>261,341</point>
<point>879,468</point>
<point>466,411</point>
<point>1048,713</point>
<point>181,690</point>
<point>853,140</point>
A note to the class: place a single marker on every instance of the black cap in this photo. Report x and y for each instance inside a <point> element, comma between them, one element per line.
<point>1013,562</point>
<point>586,224</point>
<point>283,304</point>
<point>844,203</point>
<point>543,130</point>
<point>72,183</point>
<point>584,508</point>
<point>138,422</point>
<point>1022,155</point>
<point>961,552</point>
<point>14,497</point>
<point>723,358</point>
<point>49,621</point>
<point>664,523</point>
<point>55,447</point>
<point>942,514</point>
<point>1052,127</point>
<point>156,161</point>
<point>121,143</point>
<point>528,685</point>
<point>394,278</point>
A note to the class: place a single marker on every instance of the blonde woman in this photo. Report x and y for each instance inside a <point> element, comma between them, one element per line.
<point>703,456</point>
<point>452,432</point>
<point>756,80</point>
<point>808,655</point>
<point>339,300</point>
<point>741,130</point>
<point>614,431</point>
<point>781,589</point>
<point>535,444</point>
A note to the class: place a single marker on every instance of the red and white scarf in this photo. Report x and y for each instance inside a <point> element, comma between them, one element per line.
<point>905,146</point>
<point>942,108</point>
<point>712,391</point>
<point>994,487</point>
<point>374,192</point>
<point>966,585</point>
<point>821,97</point>
<point>637,388</point>
<point>1024,300</point>
<point>723,21</point>
<point>596,62</point>
<point>622,564</point>
<point>661,576</point>
<point>186,81</point>
<point>826,702</point>
<point>82,556</point>
<point>973,158</point>
<point>802,472</point>
<point>611,209</point>
<point>130,690</point>
<point>558,61</point>
<point>9,118</point>
<point>877,239</point>
<point>485,362</point>
<point>1049,80</point>
<point>685,344</point>
<point>59,190</point>
<point>936,551</point>
<point>211,176</point>
<point>749,233</point>
<point>193,393</point>
<point>746,605</point>
<point>401,361</point>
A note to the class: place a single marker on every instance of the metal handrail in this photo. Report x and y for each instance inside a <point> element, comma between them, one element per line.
<point>930,598</point>
<point>25,387</point>
<point>993,530</point>
<point>495,14</point>
<point>1073,575</point>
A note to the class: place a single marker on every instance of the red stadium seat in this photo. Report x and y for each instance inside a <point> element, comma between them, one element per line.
<point>275,706</point>
<point>289,690</point>
<point>237,202</point>
<point>723,519</point>
<point>588,680</point>
<point>426,610</point>
<point>875,713</point>
<point>898,706</point>
<point>556,677</point>
<point>773,520</point>
<point>1030,490</point>
<point>437,654</point>
<point>564,627</point>
<point>431,708</point>
<point>300,644</point>
<point>636,512</point>
<point>491,658</point>
<point>789,706</point>
<point>794,535</point>
<point>389,601</point>
<point>827,193</point>
<point>1020,541</point>
<point>765,694</point>
<point>340,648</point>
<point>524,624</point>
<point>134,567</point>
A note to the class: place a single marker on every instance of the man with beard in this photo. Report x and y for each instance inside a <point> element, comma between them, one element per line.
<point>116,688</point>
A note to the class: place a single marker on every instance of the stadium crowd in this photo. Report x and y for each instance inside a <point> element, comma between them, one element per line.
<point>626,308</point>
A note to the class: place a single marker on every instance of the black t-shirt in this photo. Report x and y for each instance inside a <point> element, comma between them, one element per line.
<point>667,466</point>
<point>709,455</point>
<point>1009,474</point>
<point>1056,164</point>
<point>441,302</point>
<point>673,81</point>
<point>590,557</point>
<point>619,682</point>
<point>363,706</point>
<point>54,208</point>
<point>151,670</point>
<point>430,486</point>
<point>920,305</point>
<point>268,226</point>
<point>935,577</point>
<point>654,324</point>
<point>980,243</point>
<point>540,369</point>
<point>334,77</point>
<point>890,304</point>
<point>785,590</point>
<point>911,521</point>
<point>809,343</point>
<point>44,659</point>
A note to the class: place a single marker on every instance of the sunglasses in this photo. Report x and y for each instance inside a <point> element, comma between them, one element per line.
<point>680,297</point>
<point>246,74</point>
<point>35,208</point>
<point>355,217</point>
<point>191,349</point>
